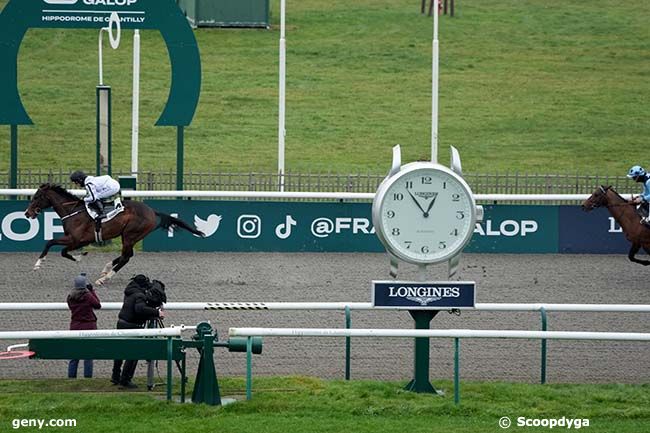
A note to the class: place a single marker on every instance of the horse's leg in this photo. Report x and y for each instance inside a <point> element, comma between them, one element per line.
<point>65,252</point>
<point>108,267</point>
<point>117,264</point>
<point>63,240</point>
<point>632,253</point>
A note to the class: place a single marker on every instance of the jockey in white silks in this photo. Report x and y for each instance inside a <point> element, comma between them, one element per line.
<point>98,187</point>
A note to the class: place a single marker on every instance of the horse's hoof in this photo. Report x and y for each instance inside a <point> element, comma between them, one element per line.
<point>105,279</point>
<point>36,268</point>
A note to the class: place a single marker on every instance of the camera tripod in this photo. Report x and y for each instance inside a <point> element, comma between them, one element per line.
<point>151,365</point>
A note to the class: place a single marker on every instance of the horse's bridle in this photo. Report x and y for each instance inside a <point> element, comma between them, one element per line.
<point>604,191</point>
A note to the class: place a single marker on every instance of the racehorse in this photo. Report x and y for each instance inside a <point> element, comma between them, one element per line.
<point>132,225</point>
<point>626,216</point>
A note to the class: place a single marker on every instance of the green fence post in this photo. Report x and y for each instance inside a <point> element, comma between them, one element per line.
<point>457,370</point>
<point>13,169</point>
<point>249,368</point>
<point>544,327</point>
<point>169,368</point>
<point>183,378</point>
<point>180,156</point>
<point>348,325</point>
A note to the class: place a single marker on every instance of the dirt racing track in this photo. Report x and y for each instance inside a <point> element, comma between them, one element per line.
<point>276,277</point>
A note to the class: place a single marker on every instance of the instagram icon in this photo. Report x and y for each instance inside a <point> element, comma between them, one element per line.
<point>249,226</point>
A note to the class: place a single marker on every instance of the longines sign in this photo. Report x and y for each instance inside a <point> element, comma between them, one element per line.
<point>439,295</point>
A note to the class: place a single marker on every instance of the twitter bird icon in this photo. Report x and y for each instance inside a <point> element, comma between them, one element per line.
<point>209,226</point>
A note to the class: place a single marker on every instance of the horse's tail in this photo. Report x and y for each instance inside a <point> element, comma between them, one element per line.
<point>167,221</point>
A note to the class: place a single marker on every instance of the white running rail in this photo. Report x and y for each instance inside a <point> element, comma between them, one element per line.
<point>297,306</point>
<point>436,333</point>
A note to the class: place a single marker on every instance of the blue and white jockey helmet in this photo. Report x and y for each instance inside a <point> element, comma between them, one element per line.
<point>636,171</point>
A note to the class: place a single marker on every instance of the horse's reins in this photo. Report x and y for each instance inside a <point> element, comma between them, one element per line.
<point>73,213</point>
<point>627,203</point>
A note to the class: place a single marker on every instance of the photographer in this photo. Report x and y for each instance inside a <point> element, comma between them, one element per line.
<point>143,300</point>
<point>82,301</point>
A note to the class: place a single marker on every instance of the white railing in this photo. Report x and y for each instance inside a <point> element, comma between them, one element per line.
<point>302,195</point>
<point>296,306</point>
<point>437,333</point>
<point>174,331</point>
<point>456,334</point>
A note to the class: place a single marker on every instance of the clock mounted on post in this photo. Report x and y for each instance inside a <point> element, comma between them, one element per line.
<point>425,213</point>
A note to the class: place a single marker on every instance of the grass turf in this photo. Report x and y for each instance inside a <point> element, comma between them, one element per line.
<point>553,86</point>
<point>313,405</point>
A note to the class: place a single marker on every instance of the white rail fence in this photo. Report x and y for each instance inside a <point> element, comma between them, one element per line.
<point>303,195</point>
<point>456,334</point>
<point>174,331</point>
<point>437,333</point>
<point>297,306</point>
<point>347,307</point>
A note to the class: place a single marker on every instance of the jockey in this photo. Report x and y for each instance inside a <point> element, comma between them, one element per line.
<point>98,187</point>
<point>638,174</point>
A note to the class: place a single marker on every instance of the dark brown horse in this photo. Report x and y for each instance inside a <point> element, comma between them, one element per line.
<point>132,225</point>
<point>624,212</point>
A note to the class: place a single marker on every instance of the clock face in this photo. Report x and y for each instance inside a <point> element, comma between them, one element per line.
<point>425,213</point>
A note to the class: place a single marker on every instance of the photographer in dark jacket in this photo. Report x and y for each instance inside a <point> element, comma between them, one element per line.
<point>142,302</point>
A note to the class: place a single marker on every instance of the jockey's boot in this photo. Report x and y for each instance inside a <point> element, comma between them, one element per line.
<point>645,220</point>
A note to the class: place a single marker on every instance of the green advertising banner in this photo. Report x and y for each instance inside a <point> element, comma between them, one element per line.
<point>18,233</point>
<point>517,229</point>
<point>246,226</point>
<point>267,226</point>
<point>335,227</point>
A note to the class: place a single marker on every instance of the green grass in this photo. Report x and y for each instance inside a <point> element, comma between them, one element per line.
<point>525,85</point>
<point>312,405</point>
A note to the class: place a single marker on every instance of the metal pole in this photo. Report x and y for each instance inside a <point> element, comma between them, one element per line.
<point>457,370</point>
<point>249,368</point>
<point>169,369</point>
<point>434,90</point>
<point>101,60</point>
<point>13,169</point>
<point>183,378</point>
<point>348,325</point>
<point>180,143</point>
<point>281,110</point>
<point>544,328</point>
<point>135,114</point>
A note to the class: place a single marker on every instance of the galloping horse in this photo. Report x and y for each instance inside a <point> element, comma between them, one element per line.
<point>133,224</point>
<point>625,215</point>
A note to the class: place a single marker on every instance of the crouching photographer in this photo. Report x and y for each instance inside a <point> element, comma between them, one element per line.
<point>143,300</point>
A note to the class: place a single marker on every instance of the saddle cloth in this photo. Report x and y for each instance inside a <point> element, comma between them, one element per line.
<point>111,209</point>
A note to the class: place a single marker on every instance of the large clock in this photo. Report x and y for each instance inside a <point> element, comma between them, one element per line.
<point>424,213</point>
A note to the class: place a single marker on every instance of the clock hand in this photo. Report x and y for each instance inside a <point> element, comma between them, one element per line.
<point>425,214</point>
<point>433,200</point>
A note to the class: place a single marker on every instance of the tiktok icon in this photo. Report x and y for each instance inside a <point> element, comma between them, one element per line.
<point>283,231</point>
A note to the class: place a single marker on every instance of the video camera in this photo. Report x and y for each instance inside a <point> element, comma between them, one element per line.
<point>155,294</point>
